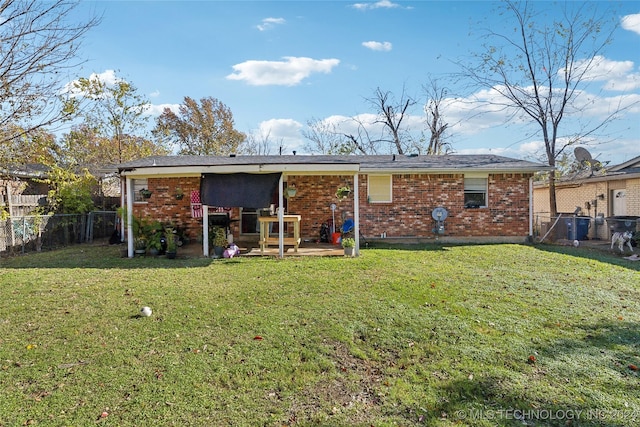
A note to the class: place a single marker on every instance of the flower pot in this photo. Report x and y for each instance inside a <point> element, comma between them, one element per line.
<point>349,251</point>
<point>218,251</point>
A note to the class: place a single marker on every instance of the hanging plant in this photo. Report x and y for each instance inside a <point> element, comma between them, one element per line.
<point>179,193</point>
<point>343,192</point>
<point>290,192</point>
<point>145,193</point>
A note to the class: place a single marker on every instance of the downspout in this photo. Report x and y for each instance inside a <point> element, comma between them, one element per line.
<point>205,230</point>
<point>129,221</point>
<point>280,217</point>
<point>356,213</point>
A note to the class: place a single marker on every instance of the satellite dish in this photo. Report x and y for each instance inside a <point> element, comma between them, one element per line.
<point>439,214</point>
<point>583,156</point>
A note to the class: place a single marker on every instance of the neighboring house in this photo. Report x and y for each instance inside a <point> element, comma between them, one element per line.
<point>486,197</point>
<point>21,188</point>
<point>609,199</point>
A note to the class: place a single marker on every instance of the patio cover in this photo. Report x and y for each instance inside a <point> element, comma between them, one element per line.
<point>244,190</point>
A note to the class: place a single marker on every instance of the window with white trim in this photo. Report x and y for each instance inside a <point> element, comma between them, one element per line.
<point>379,188</point>
<point>475,192</point>
<point>137,185</point>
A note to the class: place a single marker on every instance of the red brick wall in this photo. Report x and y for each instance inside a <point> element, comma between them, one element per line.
<point>414,197</point>
<point>163,205</point>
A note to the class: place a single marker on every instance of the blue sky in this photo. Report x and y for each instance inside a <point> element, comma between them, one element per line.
<point>279,64</point>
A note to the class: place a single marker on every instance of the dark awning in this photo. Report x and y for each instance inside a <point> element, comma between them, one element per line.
<point>244,190</point>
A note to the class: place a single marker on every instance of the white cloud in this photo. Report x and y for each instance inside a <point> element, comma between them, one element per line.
<point>382,4</point>
<point>631,22</point>
<point>157,109</point>
<point>382,46</point>
<point>617,75</point>
<point>269,23</point>
<point>154,94</point>
<point>108,77</point>
<point>283,133</point>
<point>289,72</point>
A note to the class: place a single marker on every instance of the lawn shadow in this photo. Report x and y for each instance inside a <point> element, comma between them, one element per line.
<point>596,368</point>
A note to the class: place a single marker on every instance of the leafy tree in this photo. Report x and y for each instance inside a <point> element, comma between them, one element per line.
<point>200,129</point>
<point>28,147</point>
<point>39,44</point>
<point>537,69</point>
<point>70,191</point>
<point>84,146</point>
<point>114,117</point>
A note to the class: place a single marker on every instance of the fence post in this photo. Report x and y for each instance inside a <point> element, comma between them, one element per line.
<point>89,233</point>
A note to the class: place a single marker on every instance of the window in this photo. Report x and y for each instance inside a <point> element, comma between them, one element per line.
<point>379,188</point>
<point>137,185</point>
<point>475,192</point>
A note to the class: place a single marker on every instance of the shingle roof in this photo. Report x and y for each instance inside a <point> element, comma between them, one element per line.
<point>366,163</point>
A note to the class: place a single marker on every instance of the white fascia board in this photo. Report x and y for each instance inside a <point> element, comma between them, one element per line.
<point>290,169</point>
<point>314,169</point>
<point>431,171</point>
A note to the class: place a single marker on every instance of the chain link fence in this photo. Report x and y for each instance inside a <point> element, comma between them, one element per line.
<point>34,233</point>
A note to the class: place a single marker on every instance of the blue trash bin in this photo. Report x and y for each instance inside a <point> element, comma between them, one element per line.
<point>582,227</point>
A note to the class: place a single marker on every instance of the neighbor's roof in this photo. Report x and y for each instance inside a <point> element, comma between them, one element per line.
<point>318,163</point>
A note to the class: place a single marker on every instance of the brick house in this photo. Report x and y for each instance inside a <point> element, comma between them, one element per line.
<point>486,197</point>
<point>606,198</point>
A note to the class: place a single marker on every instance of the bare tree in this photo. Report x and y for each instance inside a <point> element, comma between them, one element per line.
<point>435,122</point>
<point>391,115</point>
<point>39,45</point>
<point>256,144</point>
<point>325,137</point>
<point>539,70</point>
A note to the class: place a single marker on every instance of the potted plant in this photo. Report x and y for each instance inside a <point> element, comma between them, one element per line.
<point>179,193</point>
<point>145,193</point>
<point>140,235</point>
<point>343,192</point>
<point>172,244</point>
<point>219,241</point>
<point>349,244</point>
<point>154,244</point>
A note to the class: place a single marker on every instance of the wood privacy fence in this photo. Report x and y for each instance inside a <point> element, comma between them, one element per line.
<point>20,204</point>
<point>34,233</point>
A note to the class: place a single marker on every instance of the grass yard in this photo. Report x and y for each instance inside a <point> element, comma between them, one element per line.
<point>484,335</point>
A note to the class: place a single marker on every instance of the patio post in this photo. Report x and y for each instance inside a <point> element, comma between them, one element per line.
<point>129,221</point>
<point>280,217</point>
<point>205,230</point>
<point>356,213</point>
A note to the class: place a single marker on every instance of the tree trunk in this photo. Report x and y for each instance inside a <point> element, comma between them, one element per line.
<point>553,208</point>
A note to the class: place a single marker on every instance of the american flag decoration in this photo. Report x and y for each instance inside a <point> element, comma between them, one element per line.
<point>196,205</point>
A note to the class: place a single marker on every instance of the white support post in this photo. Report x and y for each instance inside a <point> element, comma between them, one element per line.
<point>281,217</point>
<point>123,202</point>
<point>205,230</point>
<point>356,213</point>
<point>129,221</point>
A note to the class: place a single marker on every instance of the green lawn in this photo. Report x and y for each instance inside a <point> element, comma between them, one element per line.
<point>479,335</point>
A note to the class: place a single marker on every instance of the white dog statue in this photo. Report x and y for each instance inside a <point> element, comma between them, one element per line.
<point>621,239</point>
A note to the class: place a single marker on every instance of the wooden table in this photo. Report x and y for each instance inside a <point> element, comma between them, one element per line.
<point>266,239</point>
